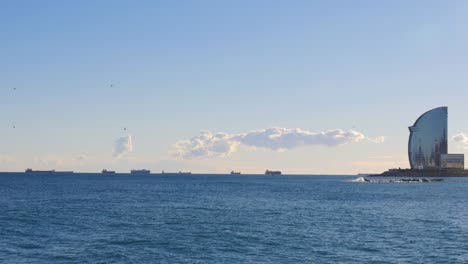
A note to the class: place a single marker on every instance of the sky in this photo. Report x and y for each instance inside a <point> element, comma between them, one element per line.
<point>305,87</point>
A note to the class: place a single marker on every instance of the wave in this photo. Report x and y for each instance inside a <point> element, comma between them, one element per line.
<point>359,179</point>
<point>405,180</point>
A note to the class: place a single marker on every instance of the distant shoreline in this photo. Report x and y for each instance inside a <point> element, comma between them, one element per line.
<point>401,173</point>
<point>421,173</point>
<point>176,174</point>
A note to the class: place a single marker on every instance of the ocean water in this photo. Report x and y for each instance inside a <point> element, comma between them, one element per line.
<point>94,218</point>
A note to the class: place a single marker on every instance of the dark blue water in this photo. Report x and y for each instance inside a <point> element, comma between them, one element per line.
<point>94,218</point>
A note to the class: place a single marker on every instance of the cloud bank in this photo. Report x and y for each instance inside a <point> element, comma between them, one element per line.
<point>122,146</point>
<point>221,144</point>
<point>461,138</point>
<point>286,138</point>
<point>207,144</point>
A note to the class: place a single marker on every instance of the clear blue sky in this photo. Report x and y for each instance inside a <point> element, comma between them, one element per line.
<point>178,67</point>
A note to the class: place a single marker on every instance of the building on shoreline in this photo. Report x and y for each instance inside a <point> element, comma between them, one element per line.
<point>428,148</point>
<point>452,161</point>
<point>428,139</point>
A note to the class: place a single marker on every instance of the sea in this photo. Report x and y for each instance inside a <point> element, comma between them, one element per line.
<point>123,218</point>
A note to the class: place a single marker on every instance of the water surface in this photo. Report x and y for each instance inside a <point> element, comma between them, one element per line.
<point>95,218</point>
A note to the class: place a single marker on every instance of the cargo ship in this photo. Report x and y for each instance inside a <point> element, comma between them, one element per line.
<point>47,171</point>
<point>108,171</point>
<point>235,172</point>
<point>140,171</point>
<point>177,173</point>
<point>269,172</point>
<point>39,171</point>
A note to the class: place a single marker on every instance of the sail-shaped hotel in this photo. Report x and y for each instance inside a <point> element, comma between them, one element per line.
<point>428,139</point>
<point>427,145</point>
<point>428,148</point>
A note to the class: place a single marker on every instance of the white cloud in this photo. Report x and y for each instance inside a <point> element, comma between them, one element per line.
<point>122,146</point>
<point>206,145</point>
<point>221,144</point>
<point>461,137</point>
<point>286,138</point>
<point>380,139</point>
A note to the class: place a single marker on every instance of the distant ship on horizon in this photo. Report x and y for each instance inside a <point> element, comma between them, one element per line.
<point>143,171</point>
<point>108,171</point>
<point>235,172</point>
<point>269,172</point>
<point>39,171</point>
<point>177,173</point>
<point>29,170</point>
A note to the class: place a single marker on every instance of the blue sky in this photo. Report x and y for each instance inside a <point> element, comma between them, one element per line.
<point>179,67</point>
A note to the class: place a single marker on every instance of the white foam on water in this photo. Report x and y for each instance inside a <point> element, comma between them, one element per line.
<point>404,180</point>
<point>359,179</point>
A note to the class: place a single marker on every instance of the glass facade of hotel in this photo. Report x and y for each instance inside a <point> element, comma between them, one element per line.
<point>428,139</point>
